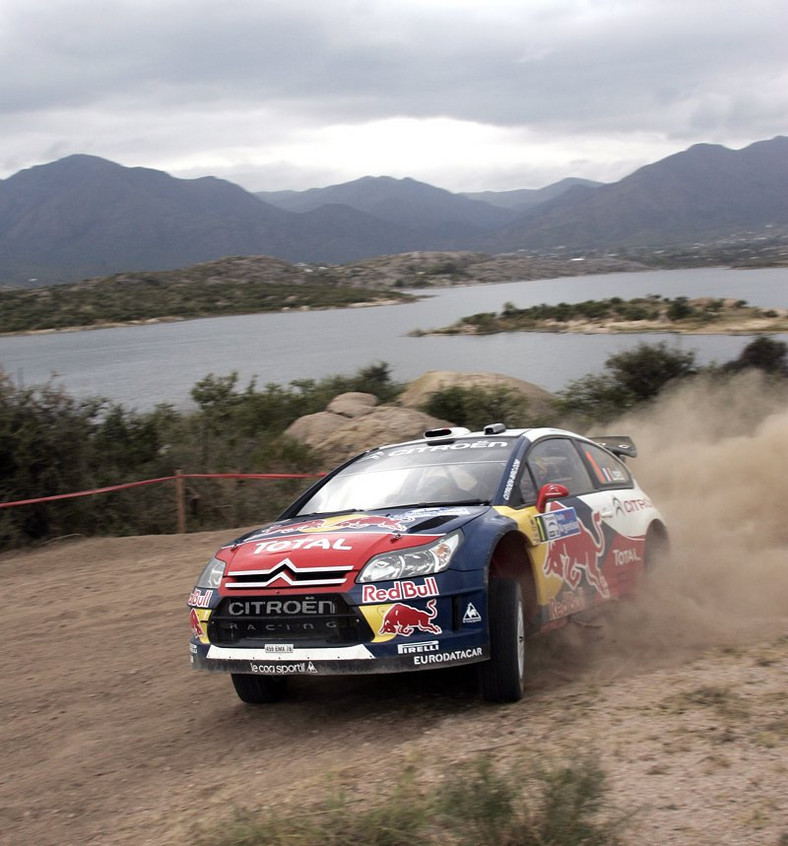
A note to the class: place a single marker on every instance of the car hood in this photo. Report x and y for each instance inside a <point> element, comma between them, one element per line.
<point>348,539</point>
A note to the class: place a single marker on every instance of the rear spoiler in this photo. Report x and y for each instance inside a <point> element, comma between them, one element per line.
<point>619,445</point>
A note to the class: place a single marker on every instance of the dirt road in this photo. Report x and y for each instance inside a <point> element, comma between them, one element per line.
<point>108,736</point>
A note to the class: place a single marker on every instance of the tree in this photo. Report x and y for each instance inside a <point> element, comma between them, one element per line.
<point>680,309</point>
<point>645,370</point>
<point>476,407</point>
<point>632,377</point>
<point>764,353</point>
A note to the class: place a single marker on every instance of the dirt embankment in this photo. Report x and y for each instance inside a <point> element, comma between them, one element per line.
<point>109,737</point>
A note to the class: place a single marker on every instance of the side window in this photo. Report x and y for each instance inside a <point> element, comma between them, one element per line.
<point>557,460</point>
<point>524,492</point>
<point>606,469</point>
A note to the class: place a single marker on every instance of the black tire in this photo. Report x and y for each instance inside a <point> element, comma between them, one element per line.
<point>258,690</point>
<point>502,677</point>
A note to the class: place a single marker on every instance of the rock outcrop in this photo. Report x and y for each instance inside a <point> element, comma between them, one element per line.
<point>354,421</point>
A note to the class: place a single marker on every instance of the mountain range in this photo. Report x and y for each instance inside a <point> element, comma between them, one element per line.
<point>83,216</point>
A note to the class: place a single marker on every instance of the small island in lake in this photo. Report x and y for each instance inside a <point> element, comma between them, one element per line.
<point>654,313</point>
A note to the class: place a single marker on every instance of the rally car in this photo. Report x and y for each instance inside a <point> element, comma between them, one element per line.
<point>452,549</point>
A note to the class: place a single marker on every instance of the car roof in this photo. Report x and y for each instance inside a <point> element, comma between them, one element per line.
<point>450,434</point>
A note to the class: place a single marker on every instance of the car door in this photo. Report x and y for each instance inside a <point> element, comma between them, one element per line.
<point>619,504</point>
<point>572,545</point>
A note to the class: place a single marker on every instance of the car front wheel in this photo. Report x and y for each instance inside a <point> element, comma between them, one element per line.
<point>503,676</point>
<point>257,690</point>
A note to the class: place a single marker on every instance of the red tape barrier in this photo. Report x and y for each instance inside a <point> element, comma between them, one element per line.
<point>128,485</point>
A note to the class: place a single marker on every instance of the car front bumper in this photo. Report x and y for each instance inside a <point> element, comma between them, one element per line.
<point>407,656</point>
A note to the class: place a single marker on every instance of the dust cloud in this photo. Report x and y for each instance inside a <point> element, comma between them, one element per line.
<point>714,459</point>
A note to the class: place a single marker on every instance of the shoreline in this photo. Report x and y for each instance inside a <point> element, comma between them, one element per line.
<point>656,315</point>
<point>153,321</point>
<point>769,329</point>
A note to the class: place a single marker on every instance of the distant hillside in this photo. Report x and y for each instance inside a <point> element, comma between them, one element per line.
<point>83,216</point>
<point>703,193</point>
<point>402,201</point>
<point>528,198</point>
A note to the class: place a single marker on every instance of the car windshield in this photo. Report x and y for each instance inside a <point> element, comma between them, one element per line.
<point>464,471</point>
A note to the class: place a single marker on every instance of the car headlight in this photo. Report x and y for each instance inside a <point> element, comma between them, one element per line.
<point>211,576</point>
<point>417,561</point>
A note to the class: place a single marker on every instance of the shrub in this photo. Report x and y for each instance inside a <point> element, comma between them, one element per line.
<point>51,443</point>
<point>680,309</point>
<point>632,377</point>
<point>476,805</point>
<point>763,353</point>
<point>476,407</point>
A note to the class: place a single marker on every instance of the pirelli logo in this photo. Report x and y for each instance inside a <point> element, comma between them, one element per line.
<point>416,648</point>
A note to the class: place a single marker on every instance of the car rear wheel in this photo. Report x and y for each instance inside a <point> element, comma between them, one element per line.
<point>503,676</point>
<point>657,548</point>
<point>258,690</point>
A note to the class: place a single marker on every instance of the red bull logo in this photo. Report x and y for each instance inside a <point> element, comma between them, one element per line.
<point>371,521</point>
<point>200,599</point>
<point>401,590</point>
<point>571,556</point>
<point>294,529</point>
<point>355,522</point>
<point>403,619</point>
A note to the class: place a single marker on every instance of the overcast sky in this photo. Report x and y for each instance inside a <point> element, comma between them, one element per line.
<point>467,95</point>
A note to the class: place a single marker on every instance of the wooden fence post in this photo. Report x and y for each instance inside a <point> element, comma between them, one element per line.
<point>180,502</point>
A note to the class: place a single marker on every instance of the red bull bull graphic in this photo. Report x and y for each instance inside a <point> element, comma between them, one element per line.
<point>403,620</point>
<point>196,625</point>
<point>352,522</point>
<point>571,556</point>
<point>371,521</point>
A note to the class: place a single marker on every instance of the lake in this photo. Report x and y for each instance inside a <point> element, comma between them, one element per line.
<point>140,366</point>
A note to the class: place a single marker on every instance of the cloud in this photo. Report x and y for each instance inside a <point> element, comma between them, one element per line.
<point>501,90</point>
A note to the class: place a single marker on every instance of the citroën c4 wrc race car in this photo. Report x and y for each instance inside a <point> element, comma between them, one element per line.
<point>452,549</point>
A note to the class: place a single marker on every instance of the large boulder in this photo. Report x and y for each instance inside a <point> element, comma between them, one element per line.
<point>353,422</point>
<point>313,429</point>
<point>385,424</point>
<point>352,404</point>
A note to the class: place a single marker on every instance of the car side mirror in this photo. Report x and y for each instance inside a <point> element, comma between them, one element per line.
<point>550,491</point>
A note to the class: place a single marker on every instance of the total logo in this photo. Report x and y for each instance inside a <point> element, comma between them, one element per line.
<point>401,590</point>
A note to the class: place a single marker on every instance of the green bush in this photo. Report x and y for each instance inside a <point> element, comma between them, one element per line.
<point>680,309</point>
<point>476,407</point>
<point>763,353</point>
<point>472,806</point>
<point>51,444</point>
<point>631,377</point>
